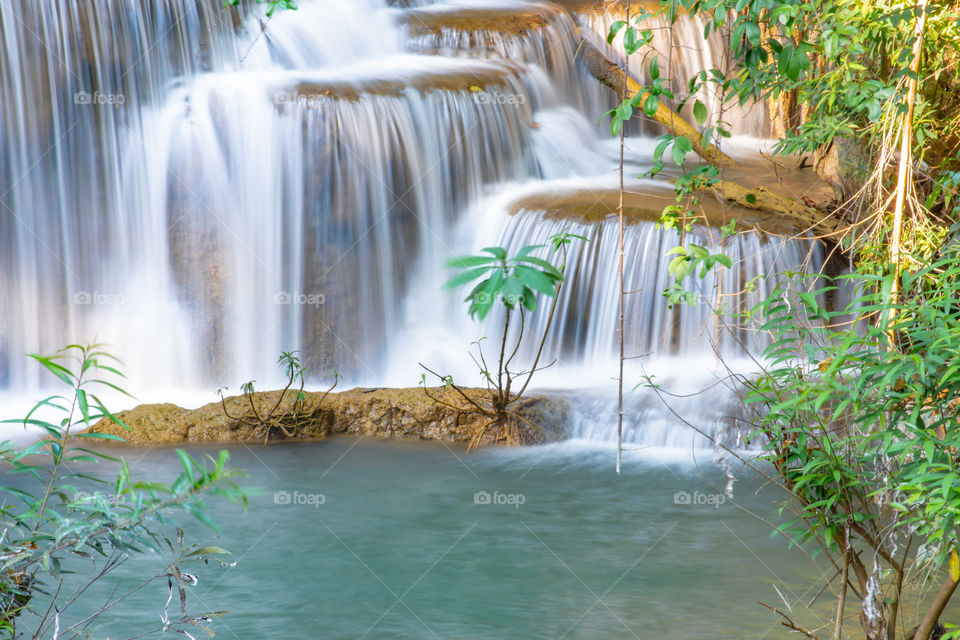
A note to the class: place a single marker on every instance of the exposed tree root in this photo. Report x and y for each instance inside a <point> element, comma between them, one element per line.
<point>288,421</point>
<point>503,430</point>
<point>807,218</point>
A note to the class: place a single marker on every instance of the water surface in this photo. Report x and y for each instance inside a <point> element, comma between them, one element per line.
<point>371,539</point>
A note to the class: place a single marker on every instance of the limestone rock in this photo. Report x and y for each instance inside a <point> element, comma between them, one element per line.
<point>377,413</point>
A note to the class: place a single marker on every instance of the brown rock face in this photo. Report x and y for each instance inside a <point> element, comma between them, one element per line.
<point>378,413</point>
<point>504,21</point>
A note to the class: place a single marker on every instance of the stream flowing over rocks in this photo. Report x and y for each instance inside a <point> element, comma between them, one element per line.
<point>203,188</point>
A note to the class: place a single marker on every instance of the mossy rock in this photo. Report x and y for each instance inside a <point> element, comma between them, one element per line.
<point>378,413</point>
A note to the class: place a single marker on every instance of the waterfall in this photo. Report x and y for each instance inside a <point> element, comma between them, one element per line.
<point>204,188</point>
<point>669,345</point>
<point>539,35</point>
<point>75,78</point>
<point>587,328</point>
<point>360,181</point>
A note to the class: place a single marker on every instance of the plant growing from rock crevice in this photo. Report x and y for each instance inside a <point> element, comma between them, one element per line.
<point>513,282</point>
<point>288,417</point>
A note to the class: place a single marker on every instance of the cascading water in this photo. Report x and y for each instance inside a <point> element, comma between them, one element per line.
<point>551,45</point>
<point>76,77</point>
<point>359,188</point>
<point>296,183</point>
<point>588,327</point>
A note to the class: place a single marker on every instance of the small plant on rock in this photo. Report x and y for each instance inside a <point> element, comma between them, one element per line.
<point>514,283</point>
<point>287,415</point>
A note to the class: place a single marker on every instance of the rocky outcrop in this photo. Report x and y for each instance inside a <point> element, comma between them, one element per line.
<point>377,413</point>
<point>503,20</point>
<point>777,215</point>
<point>464,76</point>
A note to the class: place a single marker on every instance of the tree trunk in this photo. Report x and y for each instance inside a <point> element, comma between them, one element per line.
<point>610,74</point>
<point>905,171</point>
<point>929,623</point>
<point>763,199</point>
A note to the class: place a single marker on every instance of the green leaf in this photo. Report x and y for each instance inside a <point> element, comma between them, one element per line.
<point>512,291</point>
<point>65,375</point>
<point>631,44</point>
<point>530,300</point>
<point>108,414</point>
<point>84,407</point>
<point>615,28</point>
<point>466,262</point>
<point>660,148</point>
<point>465,277</point>
<point>208,551</point>
<point>723,259</point>
<point>484,295</point>
<point>536,280</point>
<point>187,462</point>
<point>700,112</point>
<point>678,155</point>
<point>98,436</point>
<point>530,248</point>
<point>650,105</point>
<point>543,264</point>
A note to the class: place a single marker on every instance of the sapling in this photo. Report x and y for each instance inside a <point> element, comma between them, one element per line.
<point>514,282</point>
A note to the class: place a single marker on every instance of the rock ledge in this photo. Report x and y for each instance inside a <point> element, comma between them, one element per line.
<point>379,413</point>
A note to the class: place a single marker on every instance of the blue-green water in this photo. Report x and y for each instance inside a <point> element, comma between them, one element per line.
<point>403,546</point>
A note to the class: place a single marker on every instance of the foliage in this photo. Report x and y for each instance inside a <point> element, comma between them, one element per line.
<point>858,411</point>
<point>683,214</point>
<point>836,78</point>
<point>272,5</point>
<point>681,217</point>
<point>865,437</point>
<point>845,59</point>
<point>60,510</point>
<point>834,74</point>
<point>513,282</point>
<point>685,263</point>
<point>287,418</point>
